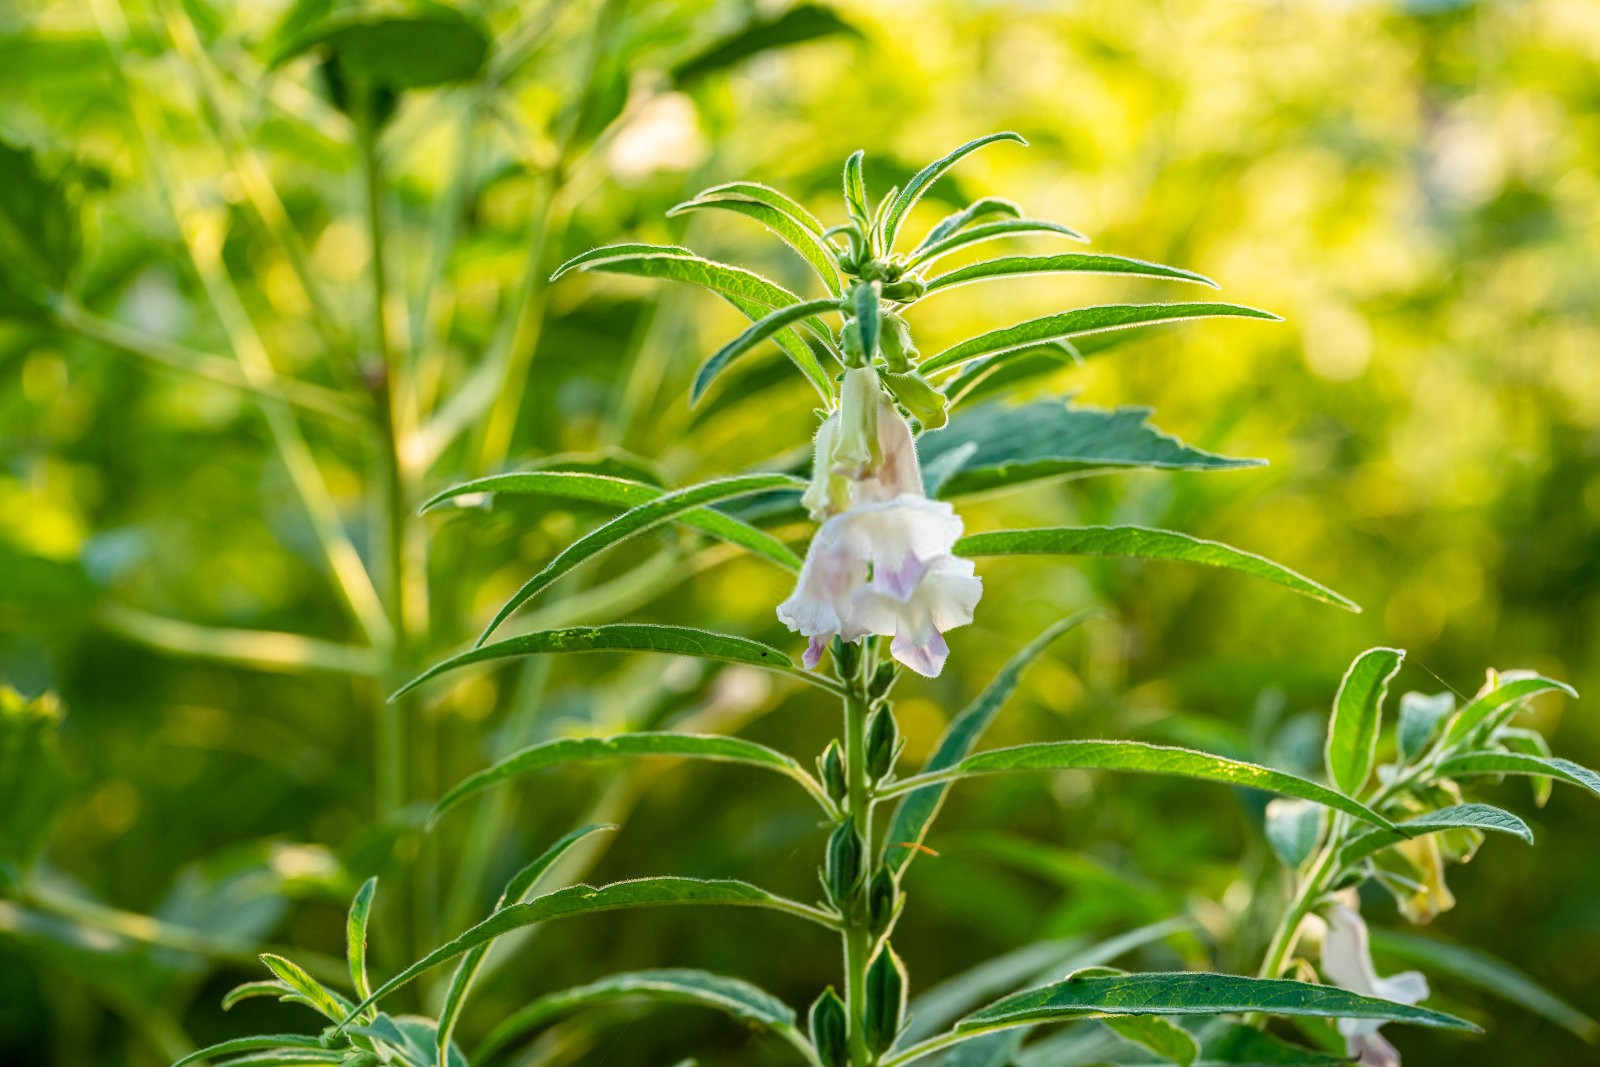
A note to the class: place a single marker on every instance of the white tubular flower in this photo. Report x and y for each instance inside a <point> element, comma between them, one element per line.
<point>1347,960</point>
<point>855,447</point>
<point>838,484</point>
<point>886,568</point>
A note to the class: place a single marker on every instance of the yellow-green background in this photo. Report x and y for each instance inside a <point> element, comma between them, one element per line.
<point>1414,187</point>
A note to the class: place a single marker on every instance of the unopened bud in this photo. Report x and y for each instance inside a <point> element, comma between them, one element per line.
<point>843,870</point>
<point>829,1031</point>
<point>882,680</point>
<point>883,742</point>
<point>886,1000</point>
<point>830,765</point>
<point>894,339</point>
<point>883,894</point>
<point>856,450</point>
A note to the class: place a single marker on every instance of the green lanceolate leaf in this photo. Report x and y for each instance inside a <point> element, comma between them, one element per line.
<point>312,992</point>
<point>1139,757</point>
<point>760,330</point>
<point>1143,542</point>
<point>1195,993</point>
<point>990,231</point>
<point>1075,323</point>
<point>1485,972</point>
<point>355,937</point>
<point>1006,446</point>
<point>1293,828</point>
<point>521,883</point>
<point>1457,817</point>
<point>779,201</point>
<point>855,187</point>
<point>627,637</point>
<point>629,746</point>
<point>621,492</point>
<point>916,812</point>
<point>261,1042</point>
<point>1501,696</point>
<point>927,176</point>
<point>1164,1037</point>
<point>739,999</point>
<point>1420,716</point>
<point>773,213</point>
<point>1518,763</point>
<point>616,251</point>
<point>573,900</point>
<point>633,522</point>
<point>982,208</point>
<point>1069,263</point>
<point>1357,716</point>
<point>270,987</point>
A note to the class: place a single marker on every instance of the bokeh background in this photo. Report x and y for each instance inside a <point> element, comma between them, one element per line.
<point>1414,186</point>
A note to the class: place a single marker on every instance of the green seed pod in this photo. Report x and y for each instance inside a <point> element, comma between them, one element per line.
<point>830,765</point>
<point>894,339</point>
<point>918,397</point>
<point>910,287</point>
<point>882,680</point>
<point>883,742</point>
<point>886,1000</point>
<point>829,1032</point>
<point>843,869</point>
<point>883,893</point>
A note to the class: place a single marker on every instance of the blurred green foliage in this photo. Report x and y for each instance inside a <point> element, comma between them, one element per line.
<point>1412,186</point>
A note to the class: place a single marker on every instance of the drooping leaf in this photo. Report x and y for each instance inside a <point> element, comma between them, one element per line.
<point>762,329</point>
<point>1195,993</point>
<point>925,177</point>
<point>412,45</point>
<point>982,208</point>
<point>626,637</point>
<point>616,251</point>
<point>990,231</point>
<point>1075,323</point>
<point>1457,817</point>
<point>1482,971</point>
<point>1420,716</point>
<point>621,492</point>
<point>631,523</point>
<point>1143,758</point>
<point>586,900</point>
<point>779,201</point>
<point>1067,263</point>
<point>520,885</point>
<point>626,746</point>
<point>916,812</point>
<point>776,212</point>
<point>1507,694</point>
<point>737,998</point>
<point>270,987</point>
<point>799,24</point>
<point>355,940</point>
<point>1519,763</point>
<point>1352,744</point>
<point>260,1042</point>
<point>1014,445</point>
<point>1143,542</point>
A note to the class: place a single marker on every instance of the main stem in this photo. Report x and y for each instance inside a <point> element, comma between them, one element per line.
<point>857,936</point>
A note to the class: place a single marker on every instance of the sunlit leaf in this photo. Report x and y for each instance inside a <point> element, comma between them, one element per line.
<point>1162,1036</point>
<point>981,208</point>
<point>990,231</point>
<point>1142,542</point>
<point>732,996</point>
<point>269,1042</point>
<point>1143,758</point>
<point>1357,716</point>
<point>631,523</point>
<point>774,213</point>
<point>621,492</point>
<point>1069,263</point>
<point>356,935</point>
<point>1457,817</point>
<point>625,248</point>
<point>1482,971</point>
<point>586,900</point>
<point>1012,445</point>
<point>319,996</point>
<point>625,746</point>
<point>1504,695</point>
<point>1075,323</point>
<point>1519,763</point>
<point>916,812</point>
<point>626,637</point>
<point>928,175</point>
<point>762,329</point>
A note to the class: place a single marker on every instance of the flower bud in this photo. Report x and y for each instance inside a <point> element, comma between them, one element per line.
<point>856,451</point>
<point>829,493</point>
<point>910,287</point>
<point>883,680</point>
<point>883,895</point>
<point>894,340</point>
<point>830,765</point>
<point>846,656</point>
<point>926,403</point>
<point>886,1000</point>
<point>843,870</point>
<point>883,742</point>
<point>829,1032</point>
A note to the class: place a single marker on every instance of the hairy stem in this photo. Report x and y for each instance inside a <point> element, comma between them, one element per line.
<point>857,937</point>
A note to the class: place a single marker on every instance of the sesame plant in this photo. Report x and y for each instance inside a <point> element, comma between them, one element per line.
<point>882,589</point>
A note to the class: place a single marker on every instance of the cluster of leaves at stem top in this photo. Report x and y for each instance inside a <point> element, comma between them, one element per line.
<point>1397,830</point>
